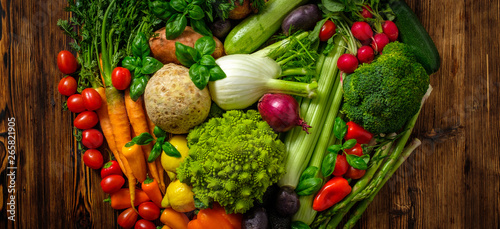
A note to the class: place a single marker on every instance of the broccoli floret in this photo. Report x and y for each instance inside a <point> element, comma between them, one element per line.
<point>383,95</point>
<point>232,160</point>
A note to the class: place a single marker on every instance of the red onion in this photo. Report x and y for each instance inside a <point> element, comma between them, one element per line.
<point>281,112</point>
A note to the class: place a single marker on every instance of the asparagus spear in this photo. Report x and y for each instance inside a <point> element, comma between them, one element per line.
<point>361,207</point>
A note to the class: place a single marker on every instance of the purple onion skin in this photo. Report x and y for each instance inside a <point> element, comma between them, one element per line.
<point>281,112</point>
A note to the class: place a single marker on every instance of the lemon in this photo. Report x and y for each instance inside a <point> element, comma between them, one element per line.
<point>169,163</point>
<point>180,197</point>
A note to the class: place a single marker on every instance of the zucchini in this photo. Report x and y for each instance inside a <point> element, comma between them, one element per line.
<point>252,32</point>
<point>413,33</point>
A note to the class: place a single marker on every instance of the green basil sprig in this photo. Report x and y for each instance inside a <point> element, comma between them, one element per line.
<point>299,225</point>
<point>309,183</point>
<point>177,13</point>
<point>160,145</point>
<point>202,66</point>
<point>141,65</point>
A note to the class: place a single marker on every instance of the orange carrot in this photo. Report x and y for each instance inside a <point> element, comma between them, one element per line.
<point>161,171</point>
<point>136,161</point>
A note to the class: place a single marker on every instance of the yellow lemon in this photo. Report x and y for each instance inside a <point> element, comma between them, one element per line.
<point>180,196</point>
<point>169,163</point>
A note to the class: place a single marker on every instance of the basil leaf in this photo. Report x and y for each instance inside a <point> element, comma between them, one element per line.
<point>205,45</point>
<point>155,152</point>
<point>137,87</point>
<point>159,133</point>
<point>333,5</point>
<point>200,75</point>
<point>356,162</point>
<point>366,158</point>
<point>334,148</point>
<point>185,55</point>
<point>129,144</point>
<point>178,5</point>
<point>216,73</point>
<point>314,35</point>
<point>196,13</point>
<point>170,150</point>
<point>150,65</point>
<point>328,164</point>
<point>175,26</point>
<point>349,144</point>
<point>309,186</point>
<point>309,172</point>
<point>207,60</point>
<point>143,139</point>
<point>161,9</point>
<point>340,128</point>
<point>201,27</point>
<point>131,63</point>
<point>198,2</point>
<point>299,225</point>
<point>140,45</point>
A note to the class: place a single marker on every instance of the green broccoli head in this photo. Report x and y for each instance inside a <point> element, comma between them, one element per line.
<point>383,95</point>
<point>232,160</point>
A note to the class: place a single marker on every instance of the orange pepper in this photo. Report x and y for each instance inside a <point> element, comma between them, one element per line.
<point>174,219</point>
<point>121,198</point>
<point>215,218</point>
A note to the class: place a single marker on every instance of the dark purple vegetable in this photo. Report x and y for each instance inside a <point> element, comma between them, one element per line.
<point>287,202</point>
<point>220,28</point>
<point>281,112</point>
<point>278,222</point>
<point>302,18</point>
<point>256,218</point>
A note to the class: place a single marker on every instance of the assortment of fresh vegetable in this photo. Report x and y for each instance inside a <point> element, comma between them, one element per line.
<point>225,125</point>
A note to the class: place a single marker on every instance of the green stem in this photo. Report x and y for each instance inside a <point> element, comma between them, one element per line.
<point>363,205</point>
<point>292,88</point>
<point>106,63</point>
<point>295,71</point>
<point>277,49</point>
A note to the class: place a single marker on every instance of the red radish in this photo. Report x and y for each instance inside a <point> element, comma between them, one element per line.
<point>281,112</point>
<point>361,30</point>
<point>366,12</point>
<point>391,30</point>
<point>347,63</point>
<point>365,54</point>
<point>366,42</point>
<point>379,42</point>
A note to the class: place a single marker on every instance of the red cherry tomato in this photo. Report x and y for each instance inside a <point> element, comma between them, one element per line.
<point>111,168</point>
<point>120,77</point>
<point>127,218</point>
<point>67,86</point>
<point>327,30</point>
<point>355,150</point>
<point>92,138</point>
<point>86,120</point>
<point>341,166</point>
<point>149,211</point>
<point>75,103</point>
<point>93,158</point>
<point>66,62</point>
<point>354,173</point>
<point>112,183</point>
<point>91,99</point>
<point>144,224</point>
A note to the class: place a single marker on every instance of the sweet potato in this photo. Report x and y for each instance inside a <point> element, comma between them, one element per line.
<point>164,50</point>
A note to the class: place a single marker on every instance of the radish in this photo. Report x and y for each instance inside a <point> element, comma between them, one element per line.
<point>281,112</point>
<point>391,30</point>
<point>379,42</point>
<point>347,63</point>
<point>366,12</point>
<point>365,54</point>
<point>361,30</point>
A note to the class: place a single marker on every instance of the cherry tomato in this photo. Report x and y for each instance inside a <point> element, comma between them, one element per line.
<point>120,77</point>
<point>149,211</point>
<point>66,62</point>
<point>67,86</point>
<point>93,158</point>
<point>111,168</point>
<point>112,183</point>
<point>75,103</point>
<point>86,120</point>
<point>144,224</point>
<point>91,99</point>
<point>354,173</point>
<point>355,150</point>
<point>92,138</point>
<point>341,166</point>
<point>327,30</point>
<point>127,218</point>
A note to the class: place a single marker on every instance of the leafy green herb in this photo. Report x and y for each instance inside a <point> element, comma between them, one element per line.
<point>328,164</point>
<point>357,162</point>
<point>299,225</point>
<point>339,128</point>
<point>349,144</point>
<point>309,186</point>
<point>160,145</point>
<point>202,66</point>
<point>170,150</point>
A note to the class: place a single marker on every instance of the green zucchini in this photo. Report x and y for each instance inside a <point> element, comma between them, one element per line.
<point>252,32</point>
<point>413,33</point>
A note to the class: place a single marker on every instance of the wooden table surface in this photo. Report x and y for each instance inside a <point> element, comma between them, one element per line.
<point>451,181</point>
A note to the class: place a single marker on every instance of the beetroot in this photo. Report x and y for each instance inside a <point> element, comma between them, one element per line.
<point>281,112</point>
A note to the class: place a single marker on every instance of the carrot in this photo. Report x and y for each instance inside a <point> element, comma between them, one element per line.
<point>150,186</point>
<point>136,161</point>
<point>121,199</point>
<point>137,117</point>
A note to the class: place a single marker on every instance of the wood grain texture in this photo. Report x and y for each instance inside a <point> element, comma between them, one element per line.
<point>451,181</point>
